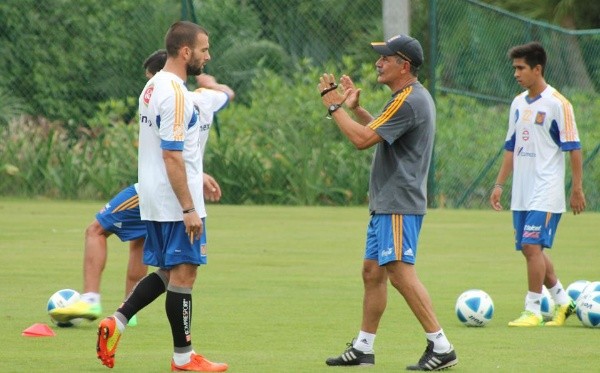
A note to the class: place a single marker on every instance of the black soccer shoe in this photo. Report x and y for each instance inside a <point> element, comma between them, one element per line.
<point>434,361</point>
<point>352,356</point>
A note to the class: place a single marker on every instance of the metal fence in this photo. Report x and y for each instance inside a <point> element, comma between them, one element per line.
<point>468,45</point>
<point>67,60</point>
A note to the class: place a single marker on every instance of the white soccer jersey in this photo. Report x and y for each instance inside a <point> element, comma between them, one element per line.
<point>170,120</point>
<point>207,102</point>
<point>539,131</point>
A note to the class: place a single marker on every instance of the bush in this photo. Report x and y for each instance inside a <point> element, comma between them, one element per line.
<point>278,149</point>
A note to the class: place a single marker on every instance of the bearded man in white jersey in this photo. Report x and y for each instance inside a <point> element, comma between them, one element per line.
<point>173,133</point>
<point>541,128</point>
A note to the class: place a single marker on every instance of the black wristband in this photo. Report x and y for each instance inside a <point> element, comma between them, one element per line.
<point>327,90</point>
<point>189,210</point>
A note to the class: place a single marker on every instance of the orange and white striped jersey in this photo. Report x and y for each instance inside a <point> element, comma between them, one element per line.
<point>172,118</point>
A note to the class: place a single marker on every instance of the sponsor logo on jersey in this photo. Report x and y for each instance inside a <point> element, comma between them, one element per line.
<point>148,94</point>
<point>539,117</point>
<point>523,153</point>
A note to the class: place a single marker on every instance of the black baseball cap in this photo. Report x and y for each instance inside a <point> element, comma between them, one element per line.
<point>403,46</point>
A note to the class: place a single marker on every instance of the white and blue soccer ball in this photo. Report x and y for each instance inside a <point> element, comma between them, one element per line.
<point>575,289</point>
<point>588,309</point>
<point>547,304</point>
<point>474,308</point>
<point>63,298</point>
<point>591,287</point>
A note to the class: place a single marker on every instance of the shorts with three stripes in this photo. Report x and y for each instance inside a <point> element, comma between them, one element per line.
<point>121,215</point>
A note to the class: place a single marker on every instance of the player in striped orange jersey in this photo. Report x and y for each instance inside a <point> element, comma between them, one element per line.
<point>172,136</point>
<point>121,217</point>
<point>402,136</point>
<point>541,128</point>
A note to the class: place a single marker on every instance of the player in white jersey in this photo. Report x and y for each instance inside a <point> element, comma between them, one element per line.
<point>171,146</point>
<point>121,215</point>
<point>541,128</point>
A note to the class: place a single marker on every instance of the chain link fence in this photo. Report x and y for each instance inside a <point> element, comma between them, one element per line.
<point>72,69</point>
<point>468,49</point>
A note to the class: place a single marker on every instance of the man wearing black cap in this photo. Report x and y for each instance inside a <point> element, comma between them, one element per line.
<point>403,138</point>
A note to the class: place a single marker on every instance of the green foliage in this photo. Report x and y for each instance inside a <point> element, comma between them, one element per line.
<point>242,62</point>
<point>75,59</point>
<point>11,107</point>
<point>62,62</point>
<point>42,158</point>
<point>572,13</point>
<point>321,29</point>
<point>279,149</point>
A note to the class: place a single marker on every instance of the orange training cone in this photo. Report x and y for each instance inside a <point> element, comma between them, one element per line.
<point>38,330</point>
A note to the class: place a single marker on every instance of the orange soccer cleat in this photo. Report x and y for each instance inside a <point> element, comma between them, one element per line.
<point>199,364</point>
<point>108,339</point>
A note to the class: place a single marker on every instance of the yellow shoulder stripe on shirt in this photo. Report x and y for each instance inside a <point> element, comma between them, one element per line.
<point>179,112</point>
<point>568,116</point>
<point>391,109</point>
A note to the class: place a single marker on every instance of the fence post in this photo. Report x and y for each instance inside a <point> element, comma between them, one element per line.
<point>431,183</point>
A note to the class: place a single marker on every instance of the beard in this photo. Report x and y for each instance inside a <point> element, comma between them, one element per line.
<point>193,69</point>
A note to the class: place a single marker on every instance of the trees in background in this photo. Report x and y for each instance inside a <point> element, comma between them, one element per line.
<point>61,58</point>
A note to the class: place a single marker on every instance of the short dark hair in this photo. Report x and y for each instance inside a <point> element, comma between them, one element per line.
<point>182,34</point>
<point>414,70</point>
<point>533,53</point>
<point>156,61</point>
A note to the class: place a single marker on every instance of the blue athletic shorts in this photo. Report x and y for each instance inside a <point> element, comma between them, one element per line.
<point>121,216</point>
<point>392,237</point>
<point>535,227</point>
<point>167,245</point>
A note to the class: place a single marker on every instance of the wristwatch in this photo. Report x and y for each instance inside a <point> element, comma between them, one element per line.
<point>332,108</point>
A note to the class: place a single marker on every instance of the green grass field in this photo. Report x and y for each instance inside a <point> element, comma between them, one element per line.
<point>282,291</point>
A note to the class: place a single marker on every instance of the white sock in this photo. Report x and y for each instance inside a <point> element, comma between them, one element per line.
<point>119,323</point>
<point>441,344</point>
<point>364,342</point>
<point>533,302</point>
<point>182,358</point>
<point>91,298</point>
<point>559,294</point>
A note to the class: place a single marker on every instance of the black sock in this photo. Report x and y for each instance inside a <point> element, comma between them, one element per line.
<point>146,291</point>
<point>178,306</point>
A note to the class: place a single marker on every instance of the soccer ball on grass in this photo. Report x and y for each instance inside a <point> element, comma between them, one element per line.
<point>588,309</point>
<point>63,298</point>
<point>575,289</point>
<point>591,287</point>
<point>474,308</point>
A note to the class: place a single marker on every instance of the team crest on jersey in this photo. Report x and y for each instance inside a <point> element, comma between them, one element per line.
<point>148,94</point>
<point>539,117</point>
